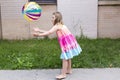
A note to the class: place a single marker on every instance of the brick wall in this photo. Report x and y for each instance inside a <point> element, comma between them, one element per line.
<point>109,19</point>
<point>75,13</point>
<point>14,26</point>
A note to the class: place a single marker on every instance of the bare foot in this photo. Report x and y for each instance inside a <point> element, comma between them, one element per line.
<point>61,76</point>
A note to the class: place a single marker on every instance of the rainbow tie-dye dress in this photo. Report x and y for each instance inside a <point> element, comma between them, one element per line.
<point>68,44</point>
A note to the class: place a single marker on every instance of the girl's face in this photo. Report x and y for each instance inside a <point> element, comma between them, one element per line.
<point>53,19</point>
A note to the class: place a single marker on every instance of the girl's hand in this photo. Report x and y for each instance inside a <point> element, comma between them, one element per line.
<point>36,34</point>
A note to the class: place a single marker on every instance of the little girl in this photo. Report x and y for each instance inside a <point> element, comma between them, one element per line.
<point>68,44</point>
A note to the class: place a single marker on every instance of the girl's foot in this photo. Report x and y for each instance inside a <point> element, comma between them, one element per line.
<point>61,76</point>
<point>69,72</point>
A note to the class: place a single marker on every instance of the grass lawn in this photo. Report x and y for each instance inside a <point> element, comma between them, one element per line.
<point>45,53</point>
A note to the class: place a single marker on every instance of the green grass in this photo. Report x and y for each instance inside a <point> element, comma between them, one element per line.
<point>45,53</point>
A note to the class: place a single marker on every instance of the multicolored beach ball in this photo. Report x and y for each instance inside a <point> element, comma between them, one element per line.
<point>31,11</point>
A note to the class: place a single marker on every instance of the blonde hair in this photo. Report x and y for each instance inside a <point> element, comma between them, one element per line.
<point>58,18</point>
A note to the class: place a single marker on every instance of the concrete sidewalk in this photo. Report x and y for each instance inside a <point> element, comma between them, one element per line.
<point>49,74</point>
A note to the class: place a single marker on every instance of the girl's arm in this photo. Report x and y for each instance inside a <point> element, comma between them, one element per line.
<point>38,30</point>
<point>53,29</point>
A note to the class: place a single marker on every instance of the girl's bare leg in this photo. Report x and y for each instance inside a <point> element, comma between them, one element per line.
<point>69,69</point>
<point>64,69</point>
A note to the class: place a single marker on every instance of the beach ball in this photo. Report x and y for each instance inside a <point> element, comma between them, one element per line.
<point>31,11</point>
